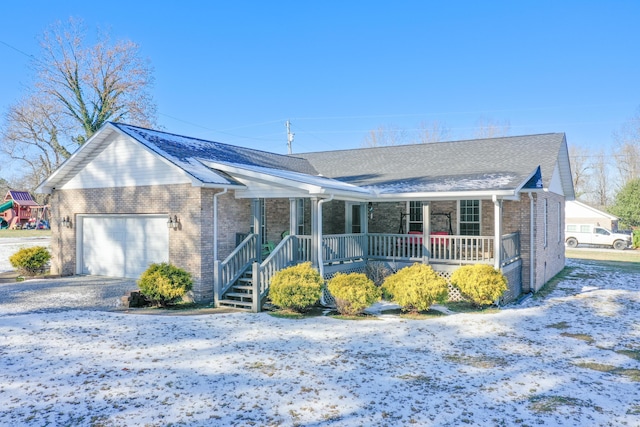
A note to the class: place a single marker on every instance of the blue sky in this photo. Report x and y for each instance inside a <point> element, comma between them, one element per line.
<point>235,71</point>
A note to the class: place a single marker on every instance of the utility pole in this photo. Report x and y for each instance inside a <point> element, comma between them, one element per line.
<point>289,136</point>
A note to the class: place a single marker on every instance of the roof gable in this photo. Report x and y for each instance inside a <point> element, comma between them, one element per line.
<point>182,149</point>
<point>123,163</point>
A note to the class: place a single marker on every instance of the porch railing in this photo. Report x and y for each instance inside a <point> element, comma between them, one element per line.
<point>229,270</point>
<point>291,250</point>
<point>344,247</point>
<point>448,249</point>
<point>510,248</point>
<point>442,248</point>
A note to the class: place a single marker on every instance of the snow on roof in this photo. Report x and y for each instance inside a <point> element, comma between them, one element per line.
<point>184,151</point>
<point>455,183</point>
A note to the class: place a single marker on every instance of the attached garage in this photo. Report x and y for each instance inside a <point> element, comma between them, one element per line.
<point>121,245</point>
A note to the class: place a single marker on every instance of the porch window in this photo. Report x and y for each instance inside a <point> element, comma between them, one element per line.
<point>469,217</point>
<point>354,218</point>
<point>263,221</point>
<point>300,220</point>
<point>415,216</point>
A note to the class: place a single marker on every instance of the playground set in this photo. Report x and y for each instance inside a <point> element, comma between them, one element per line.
<point>20,210</point>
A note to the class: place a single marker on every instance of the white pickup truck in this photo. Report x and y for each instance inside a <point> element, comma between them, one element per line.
<point>577,234</point>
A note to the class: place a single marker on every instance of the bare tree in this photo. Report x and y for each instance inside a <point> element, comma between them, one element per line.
<point>602,191</point>
<point>580,167</point>
<point>434,132</point>
<point>94,84</point>
<point>32,135</point>
<point>489,128</point>
<point>78,89</point>
<point>627,150</point>
<point>384,136</point>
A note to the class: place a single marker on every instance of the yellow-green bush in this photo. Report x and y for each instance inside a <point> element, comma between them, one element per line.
<point>480,283</point>
<point>164,283</point>
<point>30,261</point>
<point>353,292</point>
<point>296,288</point>
<point>415,288</point>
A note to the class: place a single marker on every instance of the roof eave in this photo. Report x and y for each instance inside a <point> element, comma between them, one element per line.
<point>447,195</point>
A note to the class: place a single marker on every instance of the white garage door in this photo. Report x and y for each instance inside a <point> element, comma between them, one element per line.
<point>121,246</point>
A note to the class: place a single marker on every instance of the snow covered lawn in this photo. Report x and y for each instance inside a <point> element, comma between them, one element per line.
<point>571,358</point>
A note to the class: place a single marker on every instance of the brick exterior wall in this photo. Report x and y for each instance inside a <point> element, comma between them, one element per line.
<point>549,258</point>
<point>190,247</point>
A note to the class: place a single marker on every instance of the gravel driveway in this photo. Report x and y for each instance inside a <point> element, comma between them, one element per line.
<point>51,295</point>
<point>67,293</point>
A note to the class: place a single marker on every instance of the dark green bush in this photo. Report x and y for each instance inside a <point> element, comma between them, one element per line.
<point>164,283</point>
<point>415,288</point>
<point>353,292</point>
<point>635,236</point>
<point>296,288</point>
<point>480,283</point>
<point>30,261</point>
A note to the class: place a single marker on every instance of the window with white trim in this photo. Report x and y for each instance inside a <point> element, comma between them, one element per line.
<point>300,219</point>
<point>354,218</point>
<point>415,216</point>
<point>469,221</point>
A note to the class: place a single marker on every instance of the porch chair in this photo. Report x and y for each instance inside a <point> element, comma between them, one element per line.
<point>267,248</point>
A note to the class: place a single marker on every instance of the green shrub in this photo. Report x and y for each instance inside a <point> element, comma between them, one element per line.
<point>480,283</point>
<point>415,288</point>
<point>30,261</point>
<point>164,283</point>
<point>296,288</point>
<point>353,292</point>
<point>635,236</point>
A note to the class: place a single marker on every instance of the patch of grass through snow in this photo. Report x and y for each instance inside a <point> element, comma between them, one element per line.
<point>559,325</point>
<point>548,404</point>
<point>468,307</point>
<point>583,337</point>
<point>481,361</point>
<point>634,354</point>
<point>631,374</point>
<point>551,285</point>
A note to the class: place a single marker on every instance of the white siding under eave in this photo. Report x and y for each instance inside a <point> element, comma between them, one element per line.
<point>124,163</point>
<point>555,185</point>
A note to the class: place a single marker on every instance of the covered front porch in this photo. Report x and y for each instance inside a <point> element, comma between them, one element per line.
<point>247,271</point>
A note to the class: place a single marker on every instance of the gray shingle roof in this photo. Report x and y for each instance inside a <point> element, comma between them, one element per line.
<point>483,164</point>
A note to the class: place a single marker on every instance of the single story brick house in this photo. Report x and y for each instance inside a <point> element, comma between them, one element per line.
<point>233,216</point>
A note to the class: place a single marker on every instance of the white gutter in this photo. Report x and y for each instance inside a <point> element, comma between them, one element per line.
<point>532,245</point>
<point>320,262</point>
<point>215,222</point>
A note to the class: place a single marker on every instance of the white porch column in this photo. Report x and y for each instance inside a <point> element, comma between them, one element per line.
<point>497,238</point>
<point>426,232</point>
<point>257,227</point>
<point>314,231</point>
<point>293,216</point>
